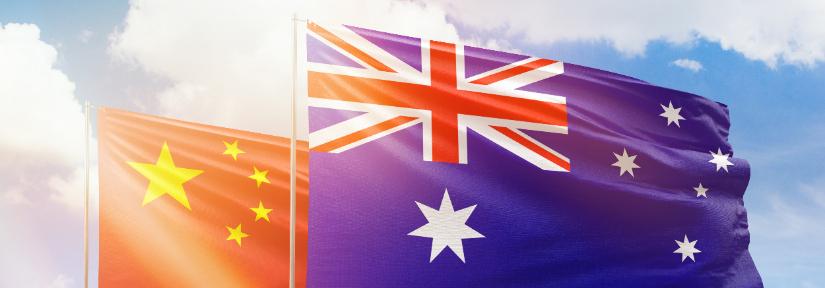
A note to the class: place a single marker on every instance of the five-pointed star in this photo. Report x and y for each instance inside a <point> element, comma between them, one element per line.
<point>721,160</point>
<point>259,176</point>
<point>701,191</point>
<point>261,212</point>
<point>687,249</point>
<point>236,234</point>
<point>232,149</point>
<point>165,178</point>
<point>446,227</point>
<point>625,163</point>
<point>672,114</point>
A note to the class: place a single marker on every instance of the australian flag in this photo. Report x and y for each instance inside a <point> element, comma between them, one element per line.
<point>436,164</point>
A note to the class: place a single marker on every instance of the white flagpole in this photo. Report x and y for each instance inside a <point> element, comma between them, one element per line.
<point>86,112</point>
<point>292,155</point>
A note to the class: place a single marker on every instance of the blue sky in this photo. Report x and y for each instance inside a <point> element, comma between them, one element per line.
<point>775,95</point>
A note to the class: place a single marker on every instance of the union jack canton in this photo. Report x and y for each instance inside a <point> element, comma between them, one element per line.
<point>436,91</point>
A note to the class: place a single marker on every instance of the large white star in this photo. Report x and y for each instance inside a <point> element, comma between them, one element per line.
<point>687,249</point>
<point>701,191</point>
<point>625,163</point>
<point>721,160</point>
<point>672,114</point>
<point>446,227</point>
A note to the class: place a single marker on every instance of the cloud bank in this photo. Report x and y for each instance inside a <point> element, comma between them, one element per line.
<point>231,64</point>
<point>767,31</point>
<point>42,129</point>
<point>41,176</point>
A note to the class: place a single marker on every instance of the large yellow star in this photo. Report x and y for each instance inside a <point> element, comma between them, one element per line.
<point>259,176</point>
<point>232,149</point>
<point>261,212</point>
<point>236,234</point>
<point>165,178</point>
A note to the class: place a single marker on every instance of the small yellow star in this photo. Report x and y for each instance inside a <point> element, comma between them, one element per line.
<point>236,234</point>
<point>259,176</point>
<point>232,149</point>
<point>165,178</point>
<point>261,212</point>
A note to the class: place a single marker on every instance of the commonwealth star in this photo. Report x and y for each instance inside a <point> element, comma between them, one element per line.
<point>446,227</point>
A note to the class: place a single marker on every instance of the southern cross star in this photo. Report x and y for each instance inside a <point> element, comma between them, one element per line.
<point>672,114</point>
<point>701,191</point>
<point>687,249</point>
<point>721,160</point>
<point>446,227</point>
<point>626,163</point>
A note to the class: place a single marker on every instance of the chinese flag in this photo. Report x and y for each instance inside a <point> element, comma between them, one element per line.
<point>191,205</point>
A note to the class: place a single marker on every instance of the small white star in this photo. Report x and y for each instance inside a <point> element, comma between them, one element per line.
<point>721,160</point>
<point>625,163</point>
<point>687,249</point>
<point>672,114</point>
<point>701,191</point>
<point>446,227</point>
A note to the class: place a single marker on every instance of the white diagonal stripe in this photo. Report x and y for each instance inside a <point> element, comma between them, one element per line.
<point>502,68</point>
<point>371,49</point>
<point>529,77</point>
<point>520,150</point>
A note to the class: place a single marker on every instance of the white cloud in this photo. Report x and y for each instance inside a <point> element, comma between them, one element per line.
<point>688,64</point>
<point>774,33</point>
<point>15,196</point>
<point>230,64</point>
<point>68,191</point>
<point>492,43</point>
<point>42,133</point>
<point>62,281</point>
<point>35,94</point>
<point>85,35</point>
